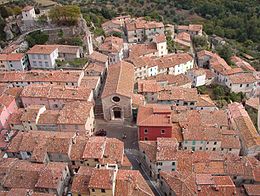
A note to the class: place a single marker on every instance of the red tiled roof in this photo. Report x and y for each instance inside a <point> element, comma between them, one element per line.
<point>42,49</point>
<point>120,80</point>
<point>101,179</point>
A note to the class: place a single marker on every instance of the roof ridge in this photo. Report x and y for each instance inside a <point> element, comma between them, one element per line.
<point>119,75</point>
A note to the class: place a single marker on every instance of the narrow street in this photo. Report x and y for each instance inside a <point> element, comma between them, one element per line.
<point>133,158</point>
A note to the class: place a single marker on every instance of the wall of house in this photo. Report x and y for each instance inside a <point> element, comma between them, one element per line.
<point>151,32</point>
<point>141,72</point>
<point>27,101</point>
<point>230,150</point>
<point>153,132</point>
<point>28,126</point>
<point>150,97</point>
<point>43,61</point>
<point>18,127</point>
<point>47,127</point>
<point>165,187</point>
<point>135,36</point>
<point>5,114</point>
<point>98,192</point>
<point>58,157</point>
<point>152,71</point>
<point>162,49</point>
<point>245,88</point>
<point>183,67</point>
<point>3,65</point>
<point>20,65</point>
<point>203,60</point>
<point>90,123</point>
<point>201,145</point>
<point>29,15</point>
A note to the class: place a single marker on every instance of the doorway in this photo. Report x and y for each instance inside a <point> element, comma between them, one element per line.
<point>117,112</point>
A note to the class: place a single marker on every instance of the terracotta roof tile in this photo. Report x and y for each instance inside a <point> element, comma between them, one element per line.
<point>42,49</point>
<point>242,78</point>
<point>81,180</point>
<point>41,76</point>
<point>141,50</point>
<point>101,179</point>
<point>131,182</point>
<point>120,80</point>
<point>75,113</point>
<point>98,57</point>
<point>112,45</point>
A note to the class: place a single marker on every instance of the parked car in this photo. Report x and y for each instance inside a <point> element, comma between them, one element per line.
<point>101,132</point>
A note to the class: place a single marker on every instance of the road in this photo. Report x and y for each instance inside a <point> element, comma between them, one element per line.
<point>133,158</point>
<point>116,129</point>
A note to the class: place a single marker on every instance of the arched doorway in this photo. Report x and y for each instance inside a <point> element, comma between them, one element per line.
<point>117,113</point>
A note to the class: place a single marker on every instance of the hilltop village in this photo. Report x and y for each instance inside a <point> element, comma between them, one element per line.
<point>126,113</point>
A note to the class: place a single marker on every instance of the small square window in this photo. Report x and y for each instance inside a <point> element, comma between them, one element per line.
<point>162,131</point>
<point>93,190</point>
<point>145,131</point>
<point>173,163</point>
<point>103,190</point>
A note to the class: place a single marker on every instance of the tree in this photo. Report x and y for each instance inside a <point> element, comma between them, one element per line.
<point>17,10</point>
<point>219,92</point>
<point>200,42</point>
<point>225,52</point>
<point>37,37</point>
<point>6,11</point>
<point>65,15</point>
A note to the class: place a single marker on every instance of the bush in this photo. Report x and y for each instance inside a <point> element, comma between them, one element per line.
<point>37,37</point>
<point>65,15</point>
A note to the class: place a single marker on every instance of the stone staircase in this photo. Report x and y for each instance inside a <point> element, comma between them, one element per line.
<point>98,110</point>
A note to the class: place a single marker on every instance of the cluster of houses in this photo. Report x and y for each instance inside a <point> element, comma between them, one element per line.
<point>186,143</point>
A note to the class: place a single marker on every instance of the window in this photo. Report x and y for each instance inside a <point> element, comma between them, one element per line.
<point>39,56</point>
<point>145,138</point>
<point>40,63</point>
<point>173,163</point>
<point>241,85</point>
<point>162,131</point>
<point>247,85</point>
<point>145,131</point>
<point>193,142</point>
<point>103,190</point>
<point>200,148</point>
<point>96,160</point>
<point>173,169</point>
<point>46,64</point>
<point>73,162</point>
<point>206,148</point>
<point>160,163</point>
<point>45,57</point>
<point>215,143</point>
<point>185,148</point>
<point>214,149</point>
<point>230,149</point>
<point>93,190</point>
<point>34,63</point>
<point>116,99</point>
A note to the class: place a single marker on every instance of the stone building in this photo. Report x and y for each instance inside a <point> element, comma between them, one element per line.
<point>118,90</point>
